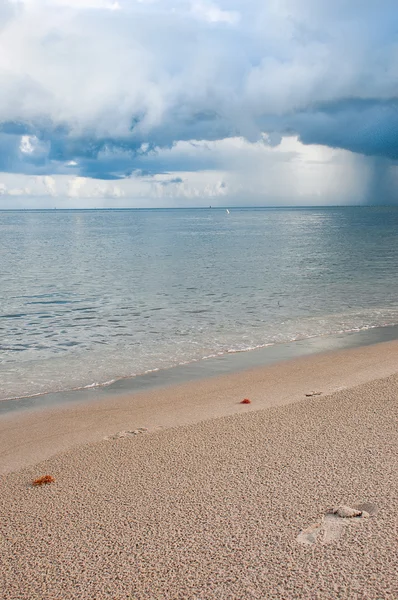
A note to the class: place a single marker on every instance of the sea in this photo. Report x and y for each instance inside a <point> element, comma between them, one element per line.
<point>92,297</point>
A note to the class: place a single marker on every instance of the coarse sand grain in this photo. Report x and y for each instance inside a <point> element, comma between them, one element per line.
<point>212,510</point>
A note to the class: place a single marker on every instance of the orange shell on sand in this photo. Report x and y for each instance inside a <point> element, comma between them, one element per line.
<point>246,401</point>
<point>44,480</point>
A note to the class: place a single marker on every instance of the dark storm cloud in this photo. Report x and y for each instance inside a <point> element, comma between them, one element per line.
<point>109,89</point>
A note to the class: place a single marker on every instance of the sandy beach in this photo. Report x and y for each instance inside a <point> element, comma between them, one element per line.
<point>210,498</point>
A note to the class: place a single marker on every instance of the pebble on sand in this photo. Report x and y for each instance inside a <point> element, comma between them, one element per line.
<point>246,401</point>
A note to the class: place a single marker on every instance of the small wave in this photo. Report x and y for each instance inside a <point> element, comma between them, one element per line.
<point>208,356</point>
<point>96,384</point>
<point>62,391</point>
<point>87,318</point>
<point>249,348</point>
<point>50,302</point>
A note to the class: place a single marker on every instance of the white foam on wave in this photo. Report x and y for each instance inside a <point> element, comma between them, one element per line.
<point>236,351</point>
<point>49,386</point>
<point>249,348</point>
<point>96,384</point>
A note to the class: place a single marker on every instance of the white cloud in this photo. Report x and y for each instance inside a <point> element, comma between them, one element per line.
<point>50,185</point>
<point>75,4</point>
<point>100,88</point>
<point>245,173</point>
<point>213,14</point>
<point>26,145</point>
<point>97,73</point>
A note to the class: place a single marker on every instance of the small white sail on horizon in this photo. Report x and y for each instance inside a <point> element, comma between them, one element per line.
<point>227,211</point>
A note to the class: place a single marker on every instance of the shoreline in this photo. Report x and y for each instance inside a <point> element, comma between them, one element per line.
<point>216,505</point>
<point>226,363</point>
<point>50,430</point>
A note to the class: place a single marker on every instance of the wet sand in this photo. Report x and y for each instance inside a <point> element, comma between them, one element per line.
<point>210,501</point>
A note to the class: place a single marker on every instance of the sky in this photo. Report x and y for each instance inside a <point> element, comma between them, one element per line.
<point>155,103</point>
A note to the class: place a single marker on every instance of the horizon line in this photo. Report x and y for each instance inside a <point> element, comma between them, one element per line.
<point>229,207</point>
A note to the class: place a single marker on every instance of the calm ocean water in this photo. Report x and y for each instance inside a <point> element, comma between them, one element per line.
<point>87,297</point>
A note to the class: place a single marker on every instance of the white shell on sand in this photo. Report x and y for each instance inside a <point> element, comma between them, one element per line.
<point>346,512</point>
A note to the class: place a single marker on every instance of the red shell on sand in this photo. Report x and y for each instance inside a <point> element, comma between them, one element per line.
<point>246,401</point>
<point>43,480</point>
